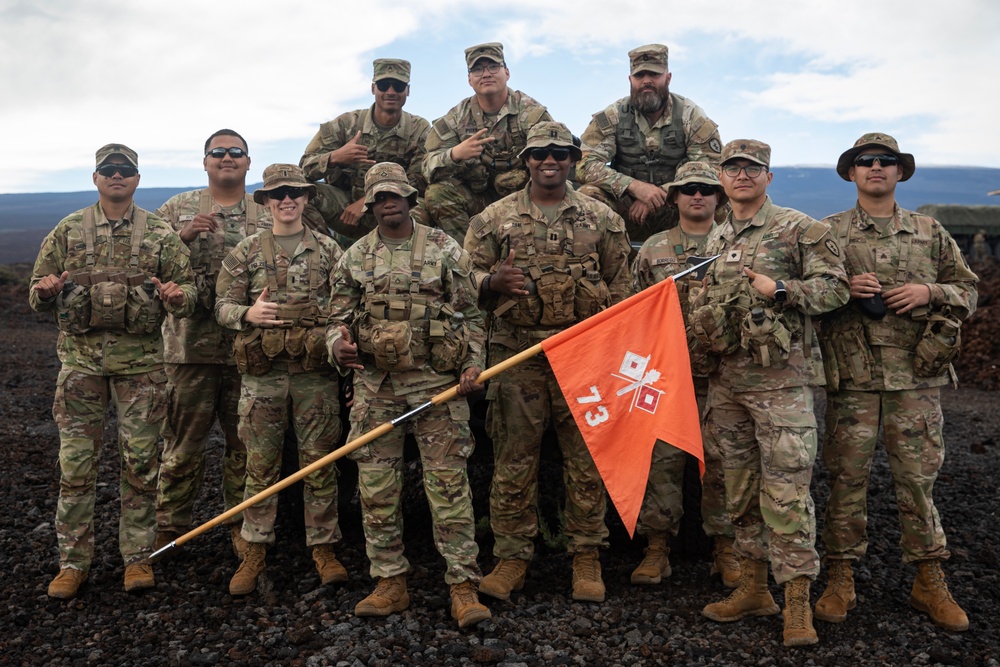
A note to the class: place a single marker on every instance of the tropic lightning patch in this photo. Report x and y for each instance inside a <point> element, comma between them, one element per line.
<point>715,145</point>
<point>832,246</point>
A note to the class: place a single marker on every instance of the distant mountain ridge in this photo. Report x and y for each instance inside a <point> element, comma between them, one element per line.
<point>817,191</point>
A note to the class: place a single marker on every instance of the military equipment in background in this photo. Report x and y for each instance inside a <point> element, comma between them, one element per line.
<point>964,222</point>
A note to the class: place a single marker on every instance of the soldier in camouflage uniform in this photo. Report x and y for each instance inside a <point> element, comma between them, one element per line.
<point>107,273</point>
<point>696,194</point>
<point>274,289</point>
<point>407,292</point>
<point>202,380</point>
<point>888,354</point>
<point>346,147</point>
<point>634,146</point>
<point>545,258</point>
<point>473,151</point>
<point>778,269</point>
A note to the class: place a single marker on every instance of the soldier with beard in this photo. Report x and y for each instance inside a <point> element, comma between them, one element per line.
<point>634,146</point>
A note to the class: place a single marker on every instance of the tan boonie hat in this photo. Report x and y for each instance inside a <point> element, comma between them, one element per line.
<point>104,152</point>
<point>875,140</point>
<point>490,50</point>
<point>551,133</point>
<point>649,58</point>
<point>278,175</point>
<point>755,151</point>
<point>392,68</point>
<point>696,172</point>
<point>388,177</point>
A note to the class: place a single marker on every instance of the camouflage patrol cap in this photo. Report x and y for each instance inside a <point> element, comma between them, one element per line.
<point>696,172</point>
<point>392,68</point>
<point>278,175</point>
<point>104,152</point>
<point>648,58</point>
<point>551,133</point>
<point>490,50</point>
<point>388,177</point>
<point>875,140</point>
<point>755,151</point>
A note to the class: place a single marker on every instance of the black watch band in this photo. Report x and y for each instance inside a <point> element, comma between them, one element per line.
<point>780,293</point>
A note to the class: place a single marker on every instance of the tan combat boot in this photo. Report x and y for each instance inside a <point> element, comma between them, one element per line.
<point>839,597</point>
<point>507,576</point>
<point>236,537</point>
<point>139,576</point>
<point>799,630</point>
<point>724,562</point>
<point>329,568</point>
<point>465,605</point>
<point>587,583</point>
<point>930,594</point>
<point>253,565</point>
<point>389,596</point>
<point>751,597</point>
<point>67,583</point>
<point>656,565</point>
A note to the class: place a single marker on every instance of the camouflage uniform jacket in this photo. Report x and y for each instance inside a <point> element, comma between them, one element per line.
<point>403,144</point>
<point>932,258</point>
<point>518,115</point>
<point>787,245</point>
<point>244,277</point>
<point>600,146</point>
<point>445,278</point>
<point>594,230</point>
<point>162,255</point>
<point>199,339</point>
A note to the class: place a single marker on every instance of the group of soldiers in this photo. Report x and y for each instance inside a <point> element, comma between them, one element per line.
<point>399,256</point>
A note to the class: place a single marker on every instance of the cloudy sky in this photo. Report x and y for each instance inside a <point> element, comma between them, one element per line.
<point>806,77</point>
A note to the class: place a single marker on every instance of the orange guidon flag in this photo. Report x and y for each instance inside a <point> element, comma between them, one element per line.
<point>626,376</point>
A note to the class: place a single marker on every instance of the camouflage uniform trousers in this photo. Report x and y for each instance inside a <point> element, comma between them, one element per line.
<point>267,404</point>
<point>767,443</point>
<point>451,203</point>
<point>912,429</point>
<point>79,409</point>
<point>196,395</point>
<point>445,443</point>
<point>522,402</point>
<point>663,504</point>
<point>330,202</point>
<point>663,218</point>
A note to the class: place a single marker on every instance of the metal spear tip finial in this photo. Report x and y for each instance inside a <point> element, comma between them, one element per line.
<point>157,555</point>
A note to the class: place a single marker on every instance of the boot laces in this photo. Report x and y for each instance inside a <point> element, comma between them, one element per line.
<point>508,571</point>
<point>386,587</point>
<point>796,605</point>
<point>465,593</point>
<point>254,555</point>
<point>585,566</point>
<point>936,582</point>
<point>324,555</point>
<point>654,553</point>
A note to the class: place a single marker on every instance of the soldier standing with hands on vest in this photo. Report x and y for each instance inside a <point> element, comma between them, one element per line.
<point>634,146</point>
<point>545,258</point>
<point>109,273</point>
<point>274,290</point>
<point>202,380</point>
<point>696,194</point>
<point>888,354</point>
<point>778,269</point>
<point>406,291</point>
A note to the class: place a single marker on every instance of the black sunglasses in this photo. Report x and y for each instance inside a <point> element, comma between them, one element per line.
<point>279,194</point>
<point>109,170</point>
<point>221,152</point>
<point>869,160</point>
<point>540,154</point>
<point>692,189</point>
<point>384,85</point>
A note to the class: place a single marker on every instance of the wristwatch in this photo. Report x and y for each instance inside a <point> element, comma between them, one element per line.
<point>780,293</point>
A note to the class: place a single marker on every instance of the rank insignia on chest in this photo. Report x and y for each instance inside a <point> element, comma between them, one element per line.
<point>734,256</point>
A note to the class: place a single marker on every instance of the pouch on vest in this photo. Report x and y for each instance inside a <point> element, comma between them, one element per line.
<point>703,363</point>
<point>524,311</point>
<point>206,294</point>
<point>557,290</point>
<point>765,338</point>
<point>449,343</point>
<point>143,309</point>
<point>711,326</point>
<point>510,182</point>
<point>476,177</point>
<point>391,345</point>
<point>855,361</point>
<point>249,354</point>
<point>273,342</point>
<point>107,305</point>
<point>295,341</point>
<point>592,295</point>
<point>831,369</point>
<point>73,308</point>
<point>939,344</point>
<point>316,354</point>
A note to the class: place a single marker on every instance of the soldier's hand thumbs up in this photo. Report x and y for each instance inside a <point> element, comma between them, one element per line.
<point>350,153</point>
<point>509,279</point>
<point>345,352</point>
<point>263,312</point>
<point>51,285</point>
